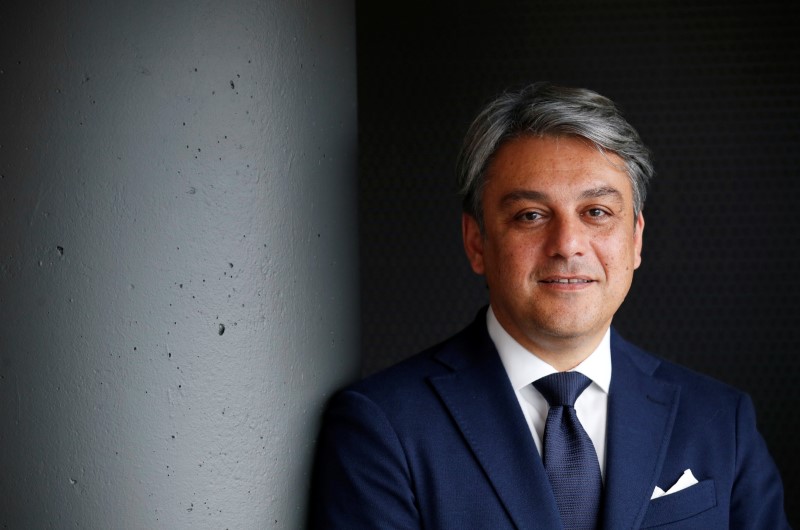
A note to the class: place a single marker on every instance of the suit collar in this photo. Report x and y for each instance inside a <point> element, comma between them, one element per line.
<point>641,414</point>
<point>480,399</point>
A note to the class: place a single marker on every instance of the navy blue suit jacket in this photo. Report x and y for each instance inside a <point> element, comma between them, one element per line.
<point>439,441</point>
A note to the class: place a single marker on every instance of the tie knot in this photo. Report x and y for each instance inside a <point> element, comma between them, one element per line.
<point>562,388</point>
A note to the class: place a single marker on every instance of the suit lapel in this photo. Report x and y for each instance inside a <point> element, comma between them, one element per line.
<point>480,399</point>
<point>641,413</point>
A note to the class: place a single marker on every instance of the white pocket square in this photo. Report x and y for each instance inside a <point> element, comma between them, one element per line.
<point>686,480</point>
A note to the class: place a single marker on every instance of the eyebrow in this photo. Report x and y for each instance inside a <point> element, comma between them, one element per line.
<point>532,195</point>
<point>601,191</point>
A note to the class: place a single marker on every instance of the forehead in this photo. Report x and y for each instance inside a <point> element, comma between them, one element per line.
<point>555,161</point>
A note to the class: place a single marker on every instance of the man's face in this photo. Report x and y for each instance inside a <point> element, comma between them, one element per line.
<point>561,241</point>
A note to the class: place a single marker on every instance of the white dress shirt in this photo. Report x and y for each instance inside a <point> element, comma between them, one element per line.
<point>524,367</point>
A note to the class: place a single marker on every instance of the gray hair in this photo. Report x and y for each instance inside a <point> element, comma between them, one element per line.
<point>544,109</point>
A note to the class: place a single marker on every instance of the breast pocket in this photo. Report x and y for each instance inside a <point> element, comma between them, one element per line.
<point>681,505</point>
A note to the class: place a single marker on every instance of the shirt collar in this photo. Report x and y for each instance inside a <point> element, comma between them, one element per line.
<point>524,367</point>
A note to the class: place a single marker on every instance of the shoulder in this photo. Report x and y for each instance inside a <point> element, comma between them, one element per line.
<point>468,347</point>
<point>697,388</point>
<point>405,395</point>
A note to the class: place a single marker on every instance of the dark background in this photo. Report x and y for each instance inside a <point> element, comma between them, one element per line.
<point>713,89</point>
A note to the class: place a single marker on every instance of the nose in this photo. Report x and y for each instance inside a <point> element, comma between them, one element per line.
<point>566,237</point>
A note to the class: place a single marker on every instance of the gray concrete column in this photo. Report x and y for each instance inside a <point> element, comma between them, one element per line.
<point>178,257</point>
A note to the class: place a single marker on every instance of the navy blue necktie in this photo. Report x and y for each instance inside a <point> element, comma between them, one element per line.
<point>569,456</point>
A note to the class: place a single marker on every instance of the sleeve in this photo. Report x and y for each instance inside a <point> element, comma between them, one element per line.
<point>361,475</point>
<point>757,496</point>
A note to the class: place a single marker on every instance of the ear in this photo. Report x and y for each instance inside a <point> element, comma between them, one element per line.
<point>638,231</point>
<point>473,242</point>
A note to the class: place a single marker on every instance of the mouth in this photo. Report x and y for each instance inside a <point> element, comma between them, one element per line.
<point>566,280</point>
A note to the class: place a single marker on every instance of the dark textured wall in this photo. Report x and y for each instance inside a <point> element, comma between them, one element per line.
<point>714,90</point>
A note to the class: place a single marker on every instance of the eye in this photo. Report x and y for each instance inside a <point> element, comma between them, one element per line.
<point>529,216</point>
<point>596,212</point>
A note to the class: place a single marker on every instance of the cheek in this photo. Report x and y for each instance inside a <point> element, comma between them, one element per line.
<point>519,256</point>
<point>509,263</point>
<point>616,257</point>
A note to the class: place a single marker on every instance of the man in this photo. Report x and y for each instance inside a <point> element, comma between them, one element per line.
<point>539,415</point>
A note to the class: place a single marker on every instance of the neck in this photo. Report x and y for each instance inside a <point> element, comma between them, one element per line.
<point>561,352</point>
